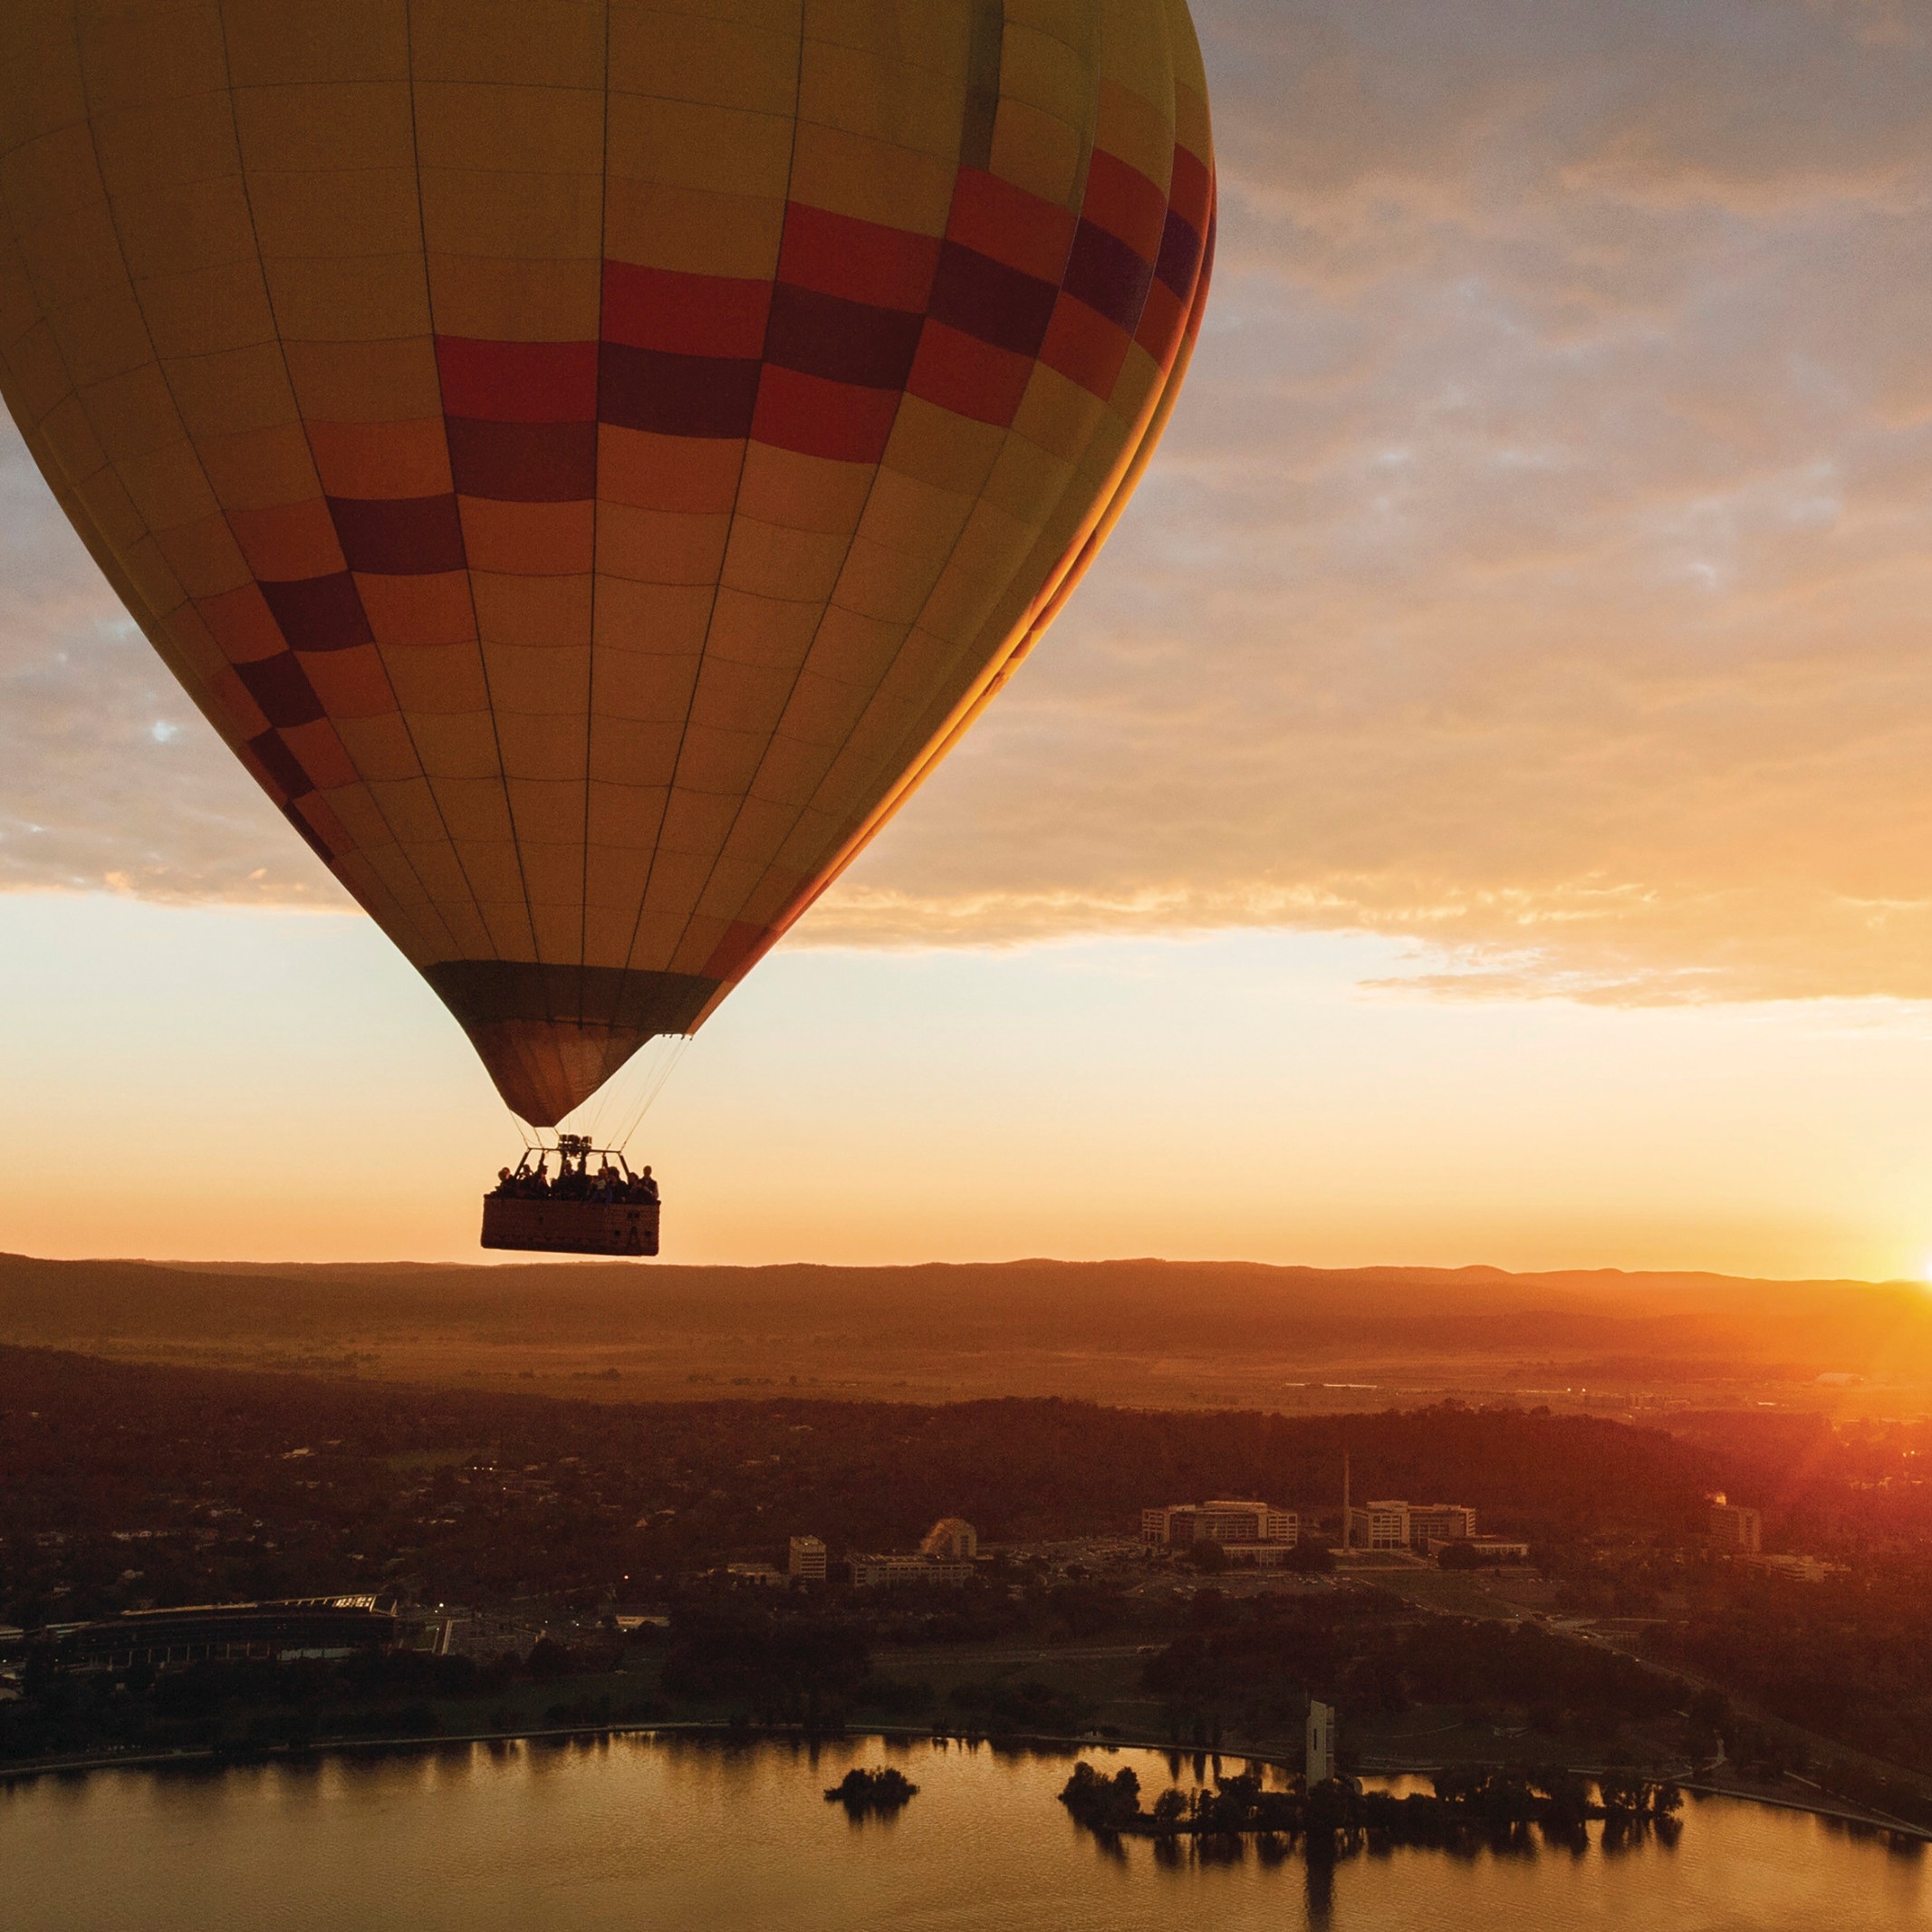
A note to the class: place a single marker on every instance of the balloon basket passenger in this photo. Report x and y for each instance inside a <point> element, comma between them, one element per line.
<point>592,1204</point>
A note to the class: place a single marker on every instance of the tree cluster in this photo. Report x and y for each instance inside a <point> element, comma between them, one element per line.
<point>1256,1662</point>
<point>1467,1806</point>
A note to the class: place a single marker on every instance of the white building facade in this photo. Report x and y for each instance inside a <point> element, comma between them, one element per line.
<point>1395,1524</point>
<point>1225,1521</point>
<point>901,1572</point>
<point>1377,1526</point>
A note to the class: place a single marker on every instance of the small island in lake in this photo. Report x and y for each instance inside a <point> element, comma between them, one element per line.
<point>865,1793</point>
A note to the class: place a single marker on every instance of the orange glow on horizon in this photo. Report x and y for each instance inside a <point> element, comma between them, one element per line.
<point>264,1085</point>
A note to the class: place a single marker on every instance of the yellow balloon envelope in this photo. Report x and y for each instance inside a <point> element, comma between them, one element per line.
<point>590,460</point>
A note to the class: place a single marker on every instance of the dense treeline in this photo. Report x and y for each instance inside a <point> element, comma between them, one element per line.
<point>213,1484</point>
<point>1251,1665</point>
<point>778,1664</point>
<point>229,1705</point>
<point>1848,1657</point>
<point>1220,1668</point>
<point>1469,1805</point>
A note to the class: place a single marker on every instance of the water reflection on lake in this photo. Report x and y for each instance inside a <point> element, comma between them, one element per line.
<point>684,1833</point>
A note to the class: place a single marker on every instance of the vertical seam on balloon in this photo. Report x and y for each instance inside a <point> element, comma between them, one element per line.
<point>221,15</point>
<point>1155,417</point>
<point>1044,604</point>
<point>120,252</point>
<point>939,741</point>
<point>589,680</point>
<point>969,108</point>
<point>868,825</point>
<point>469,586</point>
<point>1006,434</point>
<point>872,816</point>
<point>737,489</point>
<point>985,48</point>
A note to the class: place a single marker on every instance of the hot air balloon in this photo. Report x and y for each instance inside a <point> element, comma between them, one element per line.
<point>590,460</point>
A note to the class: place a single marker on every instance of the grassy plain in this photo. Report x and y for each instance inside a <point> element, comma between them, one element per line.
<point>1145,1333</point>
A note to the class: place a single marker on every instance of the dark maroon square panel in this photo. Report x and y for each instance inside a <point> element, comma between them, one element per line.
<point>319,613</point>
<point>311,837</point>
<point>990,302</point>
<point>406,536</point>
<point>523,462</point>
<point>677,395</point>
<point>282,765</point>
<point>841,341</point>
<point>1180,253</point>
<point>1105,274</point>
<point>281,686</point>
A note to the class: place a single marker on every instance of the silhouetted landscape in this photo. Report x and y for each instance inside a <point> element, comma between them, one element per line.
<point>569,1561</point>
<point>1175,1333</point>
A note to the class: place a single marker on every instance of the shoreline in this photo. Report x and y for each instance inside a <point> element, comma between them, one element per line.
<point>348,1746</point>
<point>1872,1821</point>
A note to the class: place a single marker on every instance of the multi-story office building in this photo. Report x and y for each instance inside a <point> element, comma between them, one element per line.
<point>1439,1523</point>
<point>947,1555</point>
<point>1377,1526</point>
<point>805,1557</point>
<point>1224,1521</point>
<point>1736,1529</point>
<point>1395,1524</point>
<point>896,1572</point>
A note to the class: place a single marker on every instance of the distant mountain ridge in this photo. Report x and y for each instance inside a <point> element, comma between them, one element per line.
<point>1126,1306</point>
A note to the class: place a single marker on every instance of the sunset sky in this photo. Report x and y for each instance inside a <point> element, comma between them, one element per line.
<point>1478,811</point>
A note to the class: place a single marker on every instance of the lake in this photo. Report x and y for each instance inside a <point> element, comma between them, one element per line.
<point>670,1833</point>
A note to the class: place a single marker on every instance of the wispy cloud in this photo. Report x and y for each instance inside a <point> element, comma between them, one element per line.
<point>1540,565</point>
<point>110,779</point>
<point>1541,562</point>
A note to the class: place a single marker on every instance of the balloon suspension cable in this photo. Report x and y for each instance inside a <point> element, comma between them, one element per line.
<point>655,1080</point>
<point>613,1116</point>
<point>600,1104</point>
